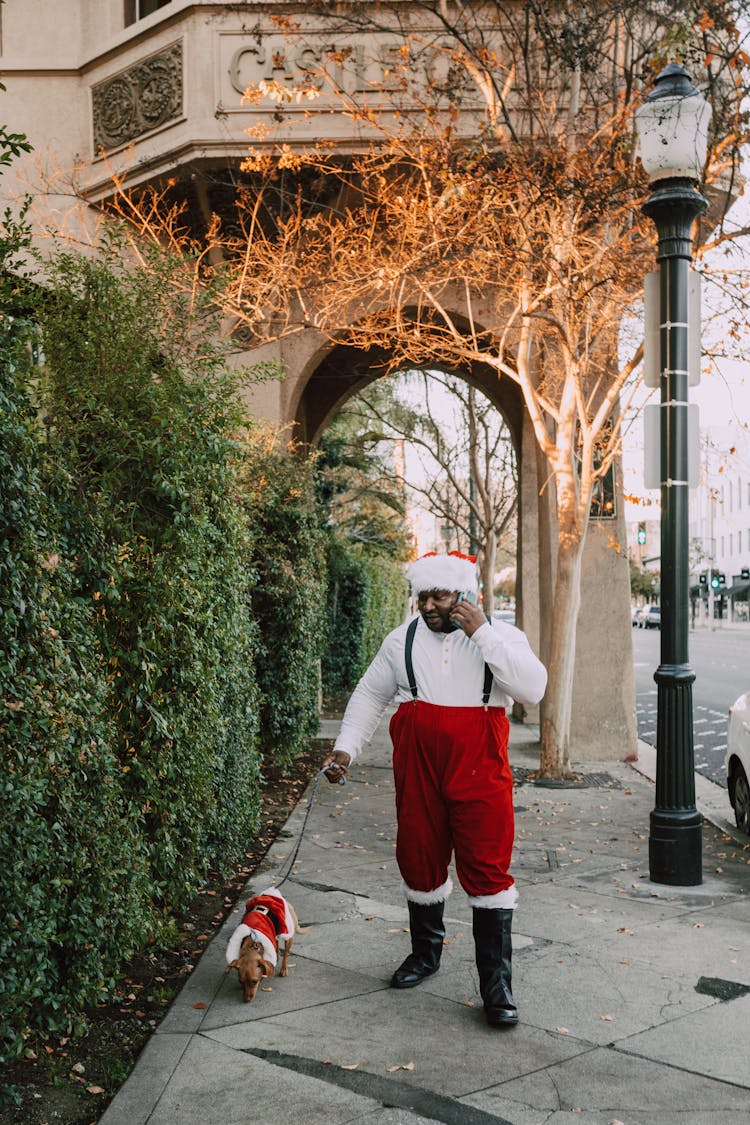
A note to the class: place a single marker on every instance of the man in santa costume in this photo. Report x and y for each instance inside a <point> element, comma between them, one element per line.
<point>453,674</point>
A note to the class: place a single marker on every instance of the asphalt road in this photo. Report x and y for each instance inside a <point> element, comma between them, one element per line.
<point>721,660</point>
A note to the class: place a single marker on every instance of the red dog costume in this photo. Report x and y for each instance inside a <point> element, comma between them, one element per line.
<point>267,919</point>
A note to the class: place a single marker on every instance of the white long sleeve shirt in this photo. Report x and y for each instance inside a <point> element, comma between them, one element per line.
<point>449,672</point>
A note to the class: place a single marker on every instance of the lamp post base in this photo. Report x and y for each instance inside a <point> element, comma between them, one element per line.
<point>675,847</point>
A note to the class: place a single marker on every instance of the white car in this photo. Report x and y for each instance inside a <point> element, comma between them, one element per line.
<point>738,761</point>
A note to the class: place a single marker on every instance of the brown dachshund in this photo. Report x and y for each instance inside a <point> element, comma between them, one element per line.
<point>269,921</point>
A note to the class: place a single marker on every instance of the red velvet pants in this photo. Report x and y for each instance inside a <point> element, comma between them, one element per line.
<point>454,792</point>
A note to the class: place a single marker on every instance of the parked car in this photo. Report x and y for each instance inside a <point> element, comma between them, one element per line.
<point>508,615</point>
<point>738,761</point>
<point>650,617</point>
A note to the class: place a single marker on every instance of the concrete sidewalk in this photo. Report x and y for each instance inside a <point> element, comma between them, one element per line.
<point>634,998</point>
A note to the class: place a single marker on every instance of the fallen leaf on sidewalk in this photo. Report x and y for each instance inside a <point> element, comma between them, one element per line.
<point>94,1089</point>
<point>563,1031</point>
<point>608,1018</point>
<point>199,1005</point>
<point>400,1066</point>
<point>349,1066</point>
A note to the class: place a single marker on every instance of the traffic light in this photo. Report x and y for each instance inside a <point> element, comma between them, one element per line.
<point>703,578</point>
<point>641,532</point>
<point>717,579</point>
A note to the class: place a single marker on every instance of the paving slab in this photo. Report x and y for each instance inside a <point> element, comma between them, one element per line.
<point>605,1084</point>
<point>713,1042</point>
<point>217,1084</point>
<point>447,1046</point>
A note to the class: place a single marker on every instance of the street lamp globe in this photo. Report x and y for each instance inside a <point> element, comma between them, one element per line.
<point>672,126</point>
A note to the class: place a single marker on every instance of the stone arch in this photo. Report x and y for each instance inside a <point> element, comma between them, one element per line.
<point>332,377</point>
<point>343,371</point>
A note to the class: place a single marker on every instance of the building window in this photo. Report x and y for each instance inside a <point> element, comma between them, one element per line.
<point>722,546</point>
<point>731,540</point>
<point>139,9</point>
<point>731,497</point>
<point>739,494</point>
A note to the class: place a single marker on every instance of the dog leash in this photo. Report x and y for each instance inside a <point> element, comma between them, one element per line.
<point>316,783</point>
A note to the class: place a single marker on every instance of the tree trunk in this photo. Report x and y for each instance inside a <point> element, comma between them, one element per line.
<point>487,570</point>
<point>554,760</point>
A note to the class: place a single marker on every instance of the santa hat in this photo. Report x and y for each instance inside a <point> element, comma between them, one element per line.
<point>453,571</point>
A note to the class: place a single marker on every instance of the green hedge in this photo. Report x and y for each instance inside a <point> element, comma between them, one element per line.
<point>367,597</point>
<point>143,411</point>
<point>74,874</point>
<point>288,591</point>
<point>155,610</point>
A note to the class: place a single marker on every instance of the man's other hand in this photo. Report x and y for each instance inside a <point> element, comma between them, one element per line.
<point>336,765</point>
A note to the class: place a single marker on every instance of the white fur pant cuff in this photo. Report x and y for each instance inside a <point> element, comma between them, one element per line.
<point>427,898</point>
<point>503,900</point>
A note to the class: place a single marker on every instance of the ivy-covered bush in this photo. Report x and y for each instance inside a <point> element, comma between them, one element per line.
<point>162,580</point>
<point>73,881</point>
<point>288,590</point>
<point>142,411</point>
<point>367,597</point>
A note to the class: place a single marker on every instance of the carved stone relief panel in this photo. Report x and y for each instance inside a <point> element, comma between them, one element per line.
<point>138,99</point>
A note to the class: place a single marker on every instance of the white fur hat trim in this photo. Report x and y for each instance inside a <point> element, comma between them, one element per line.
<point>427,898</point>
<point>442,572</point>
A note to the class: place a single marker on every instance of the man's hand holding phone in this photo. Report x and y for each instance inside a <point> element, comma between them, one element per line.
<point>467,615</point>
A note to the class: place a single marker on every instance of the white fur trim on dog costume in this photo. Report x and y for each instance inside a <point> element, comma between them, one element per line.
<point>242,931</point>
<point>503,900</point>
<point>442,572</point>
<point>426,898</point>
<point>233,948</point>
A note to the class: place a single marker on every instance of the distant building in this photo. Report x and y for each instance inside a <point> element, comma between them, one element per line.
<point>719,529</point>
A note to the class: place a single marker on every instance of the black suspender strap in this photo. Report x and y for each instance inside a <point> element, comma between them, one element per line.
<point>487,687</point>
<point>407,655</point>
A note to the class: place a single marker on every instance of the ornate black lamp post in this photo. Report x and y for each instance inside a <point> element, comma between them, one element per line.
<point>672,126</point>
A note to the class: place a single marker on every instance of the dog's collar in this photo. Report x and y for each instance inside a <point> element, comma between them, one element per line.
<point>254,944</point>
<point>260,909</point>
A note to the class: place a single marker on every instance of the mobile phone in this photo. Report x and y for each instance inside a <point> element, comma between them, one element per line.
<point>464,596</point>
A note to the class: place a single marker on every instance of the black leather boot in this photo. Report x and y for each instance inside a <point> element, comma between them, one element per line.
<point>427,933</point>
<point>493,949</point>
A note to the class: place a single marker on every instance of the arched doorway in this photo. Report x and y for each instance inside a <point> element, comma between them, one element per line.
<point>603,724</point>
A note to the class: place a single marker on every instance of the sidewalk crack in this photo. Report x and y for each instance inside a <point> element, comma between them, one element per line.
<point>390,1093</point>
